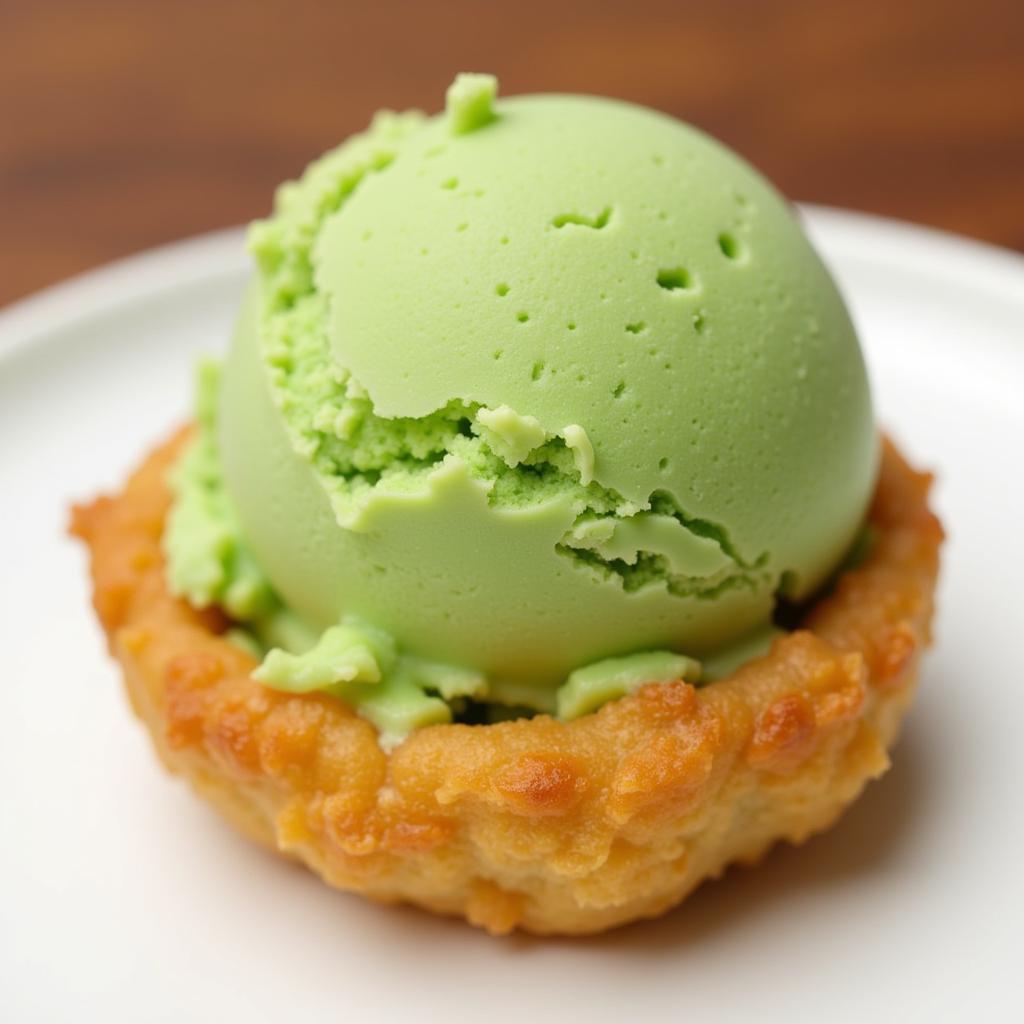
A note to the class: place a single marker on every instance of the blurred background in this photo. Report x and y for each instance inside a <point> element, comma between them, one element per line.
<point>127,123</point>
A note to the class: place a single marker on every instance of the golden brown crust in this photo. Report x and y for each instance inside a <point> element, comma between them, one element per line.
<point>536,824</point>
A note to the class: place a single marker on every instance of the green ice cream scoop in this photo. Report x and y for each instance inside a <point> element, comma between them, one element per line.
<point>542,382</point>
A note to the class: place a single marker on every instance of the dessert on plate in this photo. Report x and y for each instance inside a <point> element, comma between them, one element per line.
<point>534,553</point>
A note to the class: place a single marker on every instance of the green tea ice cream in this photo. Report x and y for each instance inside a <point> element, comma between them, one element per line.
<point>529,403</point>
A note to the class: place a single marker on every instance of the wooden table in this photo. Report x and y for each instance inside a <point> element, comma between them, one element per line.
<point>125,123</point>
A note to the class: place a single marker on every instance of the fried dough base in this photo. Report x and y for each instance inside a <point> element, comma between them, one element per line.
<point>551,827</point>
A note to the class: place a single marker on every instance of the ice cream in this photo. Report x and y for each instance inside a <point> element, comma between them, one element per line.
<point>529,403</point>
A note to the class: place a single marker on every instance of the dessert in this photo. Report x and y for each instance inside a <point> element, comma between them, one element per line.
<point>534,554</point>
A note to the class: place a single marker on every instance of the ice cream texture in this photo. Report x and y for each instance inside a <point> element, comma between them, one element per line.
<point>535,390</point>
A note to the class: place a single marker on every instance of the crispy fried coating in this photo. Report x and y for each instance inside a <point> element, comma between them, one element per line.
<point>551,827</point>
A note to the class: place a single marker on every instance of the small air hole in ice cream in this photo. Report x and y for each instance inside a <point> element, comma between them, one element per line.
<point>501,289</point>
<point>674,279</point>
<point>522,317</point>
<point>596,222</point>
<point>636,328</point>
<point>730,246</point>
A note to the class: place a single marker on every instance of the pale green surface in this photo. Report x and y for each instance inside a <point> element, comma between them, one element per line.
<point>588,688</point>
<point>736,383</point>
<point>352,652</point>
<point>469,102</point>
<point>509,435</point>
<point>209,562</point>
<point>451,576</point>
<point>360,664</point>
<point>412,409</point>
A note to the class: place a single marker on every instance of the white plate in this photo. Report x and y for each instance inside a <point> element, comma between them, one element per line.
<point>125,899</point>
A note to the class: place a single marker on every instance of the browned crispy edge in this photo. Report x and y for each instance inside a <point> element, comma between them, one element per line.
<point>547,826</point>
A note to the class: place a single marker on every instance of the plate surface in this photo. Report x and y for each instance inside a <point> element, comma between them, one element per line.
<point>122,898</point>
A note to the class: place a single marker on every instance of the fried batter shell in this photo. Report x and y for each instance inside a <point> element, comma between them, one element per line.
<point>551,827</point>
